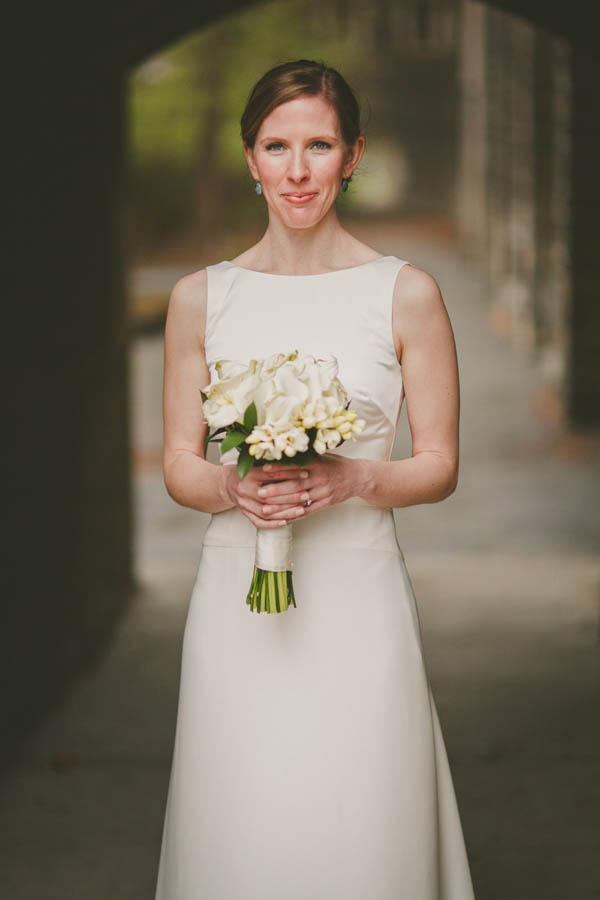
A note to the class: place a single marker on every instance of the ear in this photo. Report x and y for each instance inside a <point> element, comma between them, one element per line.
<point>249,153</point>
<point>354,156</point>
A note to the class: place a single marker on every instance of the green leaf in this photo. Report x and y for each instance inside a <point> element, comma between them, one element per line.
<point>250,417</point>
<point>244,464</point>
<point>232,440</point>
<point>211,437</point>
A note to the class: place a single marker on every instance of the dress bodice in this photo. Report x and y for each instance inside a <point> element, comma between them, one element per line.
<point>346,312</point>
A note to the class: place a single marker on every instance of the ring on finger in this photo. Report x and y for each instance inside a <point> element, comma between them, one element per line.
<point>307,502</point>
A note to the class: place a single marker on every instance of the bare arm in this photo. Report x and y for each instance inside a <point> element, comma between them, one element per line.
<point>426,349</point>
<point>189,478</point>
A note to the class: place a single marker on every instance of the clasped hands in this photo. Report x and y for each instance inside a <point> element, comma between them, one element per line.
<point>274,494</point>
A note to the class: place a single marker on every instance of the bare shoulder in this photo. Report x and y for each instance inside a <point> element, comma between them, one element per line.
<point>187,305</point>
<point>190,290</point>
<point>416,290</point>
<point>417,303</point>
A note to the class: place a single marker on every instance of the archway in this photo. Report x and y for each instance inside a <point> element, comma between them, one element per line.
<point>69,497</point>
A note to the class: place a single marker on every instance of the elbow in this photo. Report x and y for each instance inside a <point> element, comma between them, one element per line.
<point>169,479</point>
<point>450,482</point>
<point>446,482</point>
<point>169,486</point>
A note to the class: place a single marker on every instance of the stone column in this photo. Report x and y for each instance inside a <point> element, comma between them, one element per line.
<point>583,382</point>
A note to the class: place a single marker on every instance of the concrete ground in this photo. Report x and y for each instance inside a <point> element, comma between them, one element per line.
<point>507,577</point>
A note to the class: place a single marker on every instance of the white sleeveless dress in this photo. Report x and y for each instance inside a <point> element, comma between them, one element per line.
<point>309,763</point>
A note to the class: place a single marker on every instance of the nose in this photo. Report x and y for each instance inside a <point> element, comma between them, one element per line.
<point>298,170</point>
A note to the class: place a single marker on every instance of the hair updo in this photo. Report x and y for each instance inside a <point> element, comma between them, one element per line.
<point>295,79</point>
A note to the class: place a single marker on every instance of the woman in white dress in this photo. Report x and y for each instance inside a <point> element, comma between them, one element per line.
<point>308,761</point>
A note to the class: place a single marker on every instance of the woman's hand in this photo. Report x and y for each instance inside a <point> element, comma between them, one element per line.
<point>269,510</point>
<point>332,478</point>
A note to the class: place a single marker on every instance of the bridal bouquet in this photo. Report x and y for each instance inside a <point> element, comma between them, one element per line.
<point>284,407</point>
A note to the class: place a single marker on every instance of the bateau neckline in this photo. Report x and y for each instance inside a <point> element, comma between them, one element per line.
<point>308,275</point>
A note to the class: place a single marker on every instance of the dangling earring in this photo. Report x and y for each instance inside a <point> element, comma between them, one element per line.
<point>258,187</point>
<point>345,183</point>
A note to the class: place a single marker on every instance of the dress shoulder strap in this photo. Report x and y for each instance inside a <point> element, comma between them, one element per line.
<point>219,277</point>
<point>382,281</point>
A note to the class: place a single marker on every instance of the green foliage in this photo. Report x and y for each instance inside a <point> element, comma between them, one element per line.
<point>250,417</point>
<point>244,463</point>
<point>233,439</point>
<point>165,110</point>
<point>209,438</point>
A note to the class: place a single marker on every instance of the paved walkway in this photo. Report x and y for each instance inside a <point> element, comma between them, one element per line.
<point>507,576</point>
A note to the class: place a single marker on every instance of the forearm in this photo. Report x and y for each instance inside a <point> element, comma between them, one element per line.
<point>194,482</point>
<point>426,477</point>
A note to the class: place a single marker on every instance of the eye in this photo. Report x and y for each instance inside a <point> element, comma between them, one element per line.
<point>273,144</point>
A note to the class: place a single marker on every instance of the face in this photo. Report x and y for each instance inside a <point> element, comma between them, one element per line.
<point>300,158</point>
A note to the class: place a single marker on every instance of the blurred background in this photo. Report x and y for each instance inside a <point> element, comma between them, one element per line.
<point>480,168</point>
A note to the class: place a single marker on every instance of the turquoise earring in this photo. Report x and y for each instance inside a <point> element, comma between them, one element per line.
<point>344,184</point>
<point>258,187</point>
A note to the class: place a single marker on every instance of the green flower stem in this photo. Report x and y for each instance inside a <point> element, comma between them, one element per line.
<point>270,592</point>
<point>262,600</point>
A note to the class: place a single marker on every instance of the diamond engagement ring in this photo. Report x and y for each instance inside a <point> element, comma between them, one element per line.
<point>308,502</point>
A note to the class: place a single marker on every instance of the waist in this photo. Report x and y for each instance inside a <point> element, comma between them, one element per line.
<point>351,524</point>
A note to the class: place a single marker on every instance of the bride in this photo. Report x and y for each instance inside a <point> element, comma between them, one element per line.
<point>308,757</point>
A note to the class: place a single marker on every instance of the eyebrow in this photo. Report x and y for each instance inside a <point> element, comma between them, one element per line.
<point>320,137</point>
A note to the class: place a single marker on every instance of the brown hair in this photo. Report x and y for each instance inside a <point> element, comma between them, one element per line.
<point>293,79</point>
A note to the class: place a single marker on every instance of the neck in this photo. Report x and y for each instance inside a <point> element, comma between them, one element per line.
<point>323,246</point>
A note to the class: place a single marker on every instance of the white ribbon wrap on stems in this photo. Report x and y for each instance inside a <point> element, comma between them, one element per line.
<point>274,549</point>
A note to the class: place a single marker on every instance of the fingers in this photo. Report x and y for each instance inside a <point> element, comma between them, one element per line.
<point>284,492</point>
<point>316,505</point>
<point>264,523</point>
<point>269,503</point>
<point>291,471</point>
<point>269,516</point>
<point>256,514</point>
<point>320,497</point>
<point>268,513</point>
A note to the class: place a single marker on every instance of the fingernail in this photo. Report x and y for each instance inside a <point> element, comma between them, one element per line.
<point>267,467</point>
<point>303,474</point>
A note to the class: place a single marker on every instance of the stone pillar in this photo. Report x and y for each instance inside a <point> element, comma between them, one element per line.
<point>583,382</point>
<point>511,246</point>
<point>67,494</point>
<point>552,289</point>
<point>471,195</point>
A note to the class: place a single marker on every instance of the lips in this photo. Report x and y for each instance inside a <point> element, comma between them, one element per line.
<point>299,198</point>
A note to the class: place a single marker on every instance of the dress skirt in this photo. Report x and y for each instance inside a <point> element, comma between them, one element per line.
<point>309,763</point>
